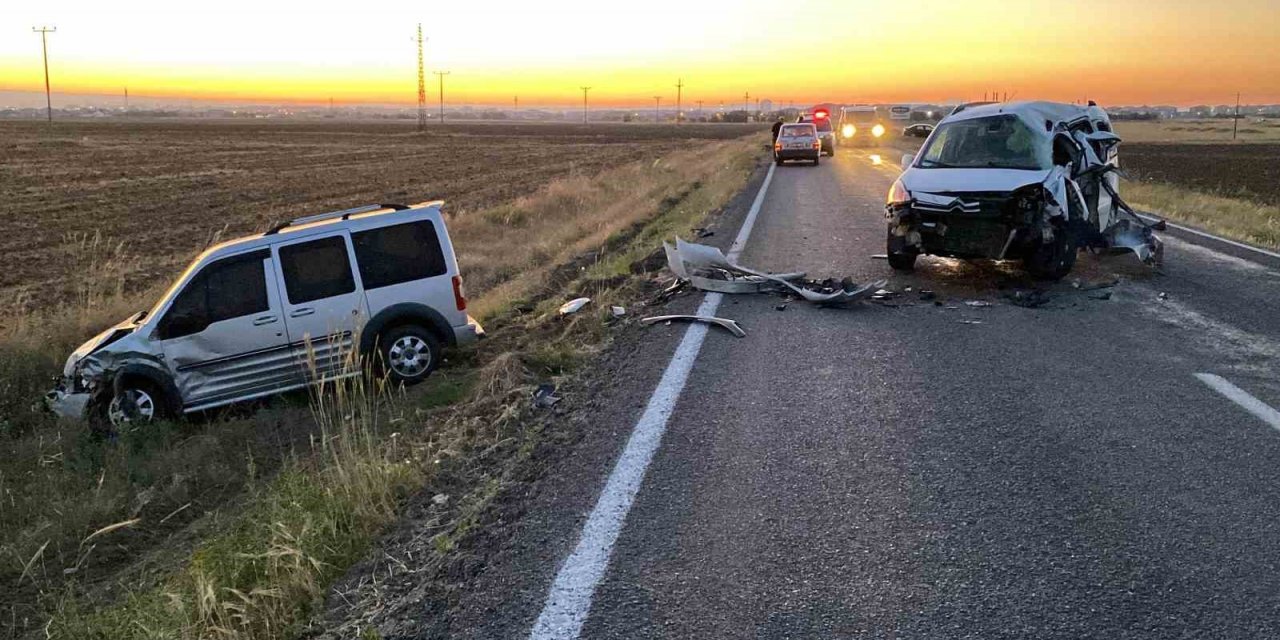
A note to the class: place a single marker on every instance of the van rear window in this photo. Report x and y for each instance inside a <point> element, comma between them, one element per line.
<point>398,253</point>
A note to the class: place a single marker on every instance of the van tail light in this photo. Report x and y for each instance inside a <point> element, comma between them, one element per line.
<point>459,294</point>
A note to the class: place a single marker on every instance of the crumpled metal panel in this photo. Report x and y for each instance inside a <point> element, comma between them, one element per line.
<point>707,268</point>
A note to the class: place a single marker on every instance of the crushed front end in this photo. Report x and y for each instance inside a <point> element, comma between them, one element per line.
<point>981,224</point>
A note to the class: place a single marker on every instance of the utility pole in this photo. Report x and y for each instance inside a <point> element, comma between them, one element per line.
<point>679,89</point>
<point>657,109</point>
<point>584,103</point>
<point>442,74</point>
<point>422,86</point>
<point>1235,122</point>
<point>126,98</point>
<point>699,110</point>
<point>516,103</point>
<point>44,49</point>
<point>746,104</point>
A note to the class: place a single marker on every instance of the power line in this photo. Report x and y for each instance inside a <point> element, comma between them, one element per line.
<point>422,86</point>
<point>441,74</point>
<point>584,103</point>
<point>679,89</point>
<point>44,49</point>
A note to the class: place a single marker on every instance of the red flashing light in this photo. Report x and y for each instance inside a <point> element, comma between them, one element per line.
<point>820,114</point>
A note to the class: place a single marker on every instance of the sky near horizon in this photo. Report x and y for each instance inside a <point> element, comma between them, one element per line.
<point>801,51</point>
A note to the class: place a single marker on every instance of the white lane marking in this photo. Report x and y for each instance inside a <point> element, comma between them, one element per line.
<point>1258,408</point>
<point>1202,234</point>
<point>569,600</point>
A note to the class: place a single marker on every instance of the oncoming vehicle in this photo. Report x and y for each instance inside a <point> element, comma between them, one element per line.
<point>862,124</point>
<point>278,311</point>
<point>1028,180</point>
<point>797,141</point>
<point>821,119</point>
<point>917,130</point>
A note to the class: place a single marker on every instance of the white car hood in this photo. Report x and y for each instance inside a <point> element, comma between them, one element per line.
<point>92,344</point>
<point>970,180</point>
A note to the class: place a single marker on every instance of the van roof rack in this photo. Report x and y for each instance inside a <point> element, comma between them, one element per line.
<point>343,214</point>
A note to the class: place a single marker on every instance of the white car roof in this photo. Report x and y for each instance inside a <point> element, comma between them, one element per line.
<point>1034,113</point>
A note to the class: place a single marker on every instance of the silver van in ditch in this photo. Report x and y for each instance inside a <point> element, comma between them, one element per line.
<point>278,311</point>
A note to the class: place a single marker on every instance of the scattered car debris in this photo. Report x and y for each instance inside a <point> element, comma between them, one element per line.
<point>879,256</point>
<point>781,307</point>
<point>1029,299</point>
<point>1100,295</point>
<point>440,499</point>
<point>927,295</point>
<point>970,322</point>
<point>1163,296</point>
<point>702,232</point>
<point>730,325</point>
<point>544,397</point>
<point>706,268</point>
<point>617,311</point>
<point>978,303</point>
<point>573,306</point>
<point>1090,286</point>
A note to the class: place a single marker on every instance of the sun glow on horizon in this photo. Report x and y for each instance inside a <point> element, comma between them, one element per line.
<point>805,51</point>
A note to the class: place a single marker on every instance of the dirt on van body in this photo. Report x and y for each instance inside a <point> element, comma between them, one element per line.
<point>141,198</point>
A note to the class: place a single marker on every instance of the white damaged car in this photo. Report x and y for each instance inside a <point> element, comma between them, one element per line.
<point>1034,181</point>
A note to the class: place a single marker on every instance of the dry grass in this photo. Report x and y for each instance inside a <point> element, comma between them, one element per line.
<point>218,542</point>
<point>1243,220</point>
<point>1250,130</point>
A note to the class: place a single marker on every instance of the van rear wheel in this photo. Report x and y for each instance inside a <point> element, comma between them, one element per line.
<point>408,354</point>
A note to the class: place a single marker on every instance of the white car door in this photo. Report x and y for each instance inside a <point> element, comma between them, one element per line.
<point>224,334</point>
<point>324,305</point>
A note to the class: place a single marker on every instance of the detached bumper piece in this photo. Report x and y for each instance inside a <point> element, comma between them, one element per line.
<point>65,403</point>
<point>706,268</point>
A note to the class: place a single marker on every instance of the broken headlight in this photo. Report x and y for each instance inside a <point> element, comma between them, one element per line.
<point>898,194</point>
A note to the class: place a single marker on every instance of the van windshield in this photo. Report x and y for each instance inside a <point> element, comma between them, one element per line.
<point>993,142</point>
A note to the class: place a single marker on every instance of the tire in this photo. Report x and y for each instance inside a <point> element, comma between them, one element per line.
<point>407,354</point>
<point>899,260</point>
<point>817,160</point>
<point>139,402</point>
<point>778,161</point>
<point>903,261</point>
<point>1053,260</point>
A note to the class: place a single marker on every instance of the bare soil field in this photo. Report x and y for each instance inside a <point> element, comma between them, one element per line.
<point>1250,130</point>
<point>1246,171</point>
<point>141,198</point>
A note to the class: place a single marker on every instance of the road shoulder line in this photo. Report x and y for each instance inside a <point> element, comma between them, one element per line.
<point>569,599</point>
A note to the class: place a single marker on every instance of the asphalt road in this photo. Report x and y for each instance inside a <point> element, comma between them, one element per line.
<point>922,470</point>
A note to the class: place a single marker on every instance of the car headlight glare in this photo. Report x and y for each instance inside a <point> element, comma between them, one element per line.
<point>848,130</point>
<point>877,130</point>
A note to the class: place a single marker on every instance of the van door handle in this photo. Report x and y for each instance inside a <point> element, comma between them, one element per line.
<point>258,322</point>
<point>305,311</point>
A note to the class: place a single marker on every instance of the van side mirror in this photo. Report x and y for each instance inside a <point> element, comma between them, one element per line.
<point>907,159</point>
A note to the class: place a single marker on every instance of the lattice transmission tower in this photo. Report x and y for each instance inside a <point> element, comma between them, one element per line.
<point>422,86</point>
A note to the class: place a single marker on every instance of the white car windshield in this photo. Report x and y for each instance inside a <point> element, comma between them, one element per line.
<point>994,142</point>
<point>797,132</point>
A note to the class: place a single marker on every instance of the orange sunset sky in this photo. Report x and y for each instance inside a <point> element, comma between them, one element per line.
<point>1116,52</point>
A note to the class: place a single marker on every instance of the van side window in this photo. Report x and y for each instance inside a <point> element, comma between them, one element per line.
<point>398,253</point>
<point>226,289</point>
<point>317,269</point>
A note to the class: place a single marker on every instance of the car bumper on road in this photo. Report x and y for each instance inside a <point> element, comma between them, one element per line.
<point>469,332</point>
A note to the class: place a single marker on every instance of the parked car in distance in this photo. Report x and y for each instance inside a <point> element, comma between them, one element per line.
<point>797,141</point>
<point>278,311</point>
<point>1022,180</point>
<point>821,119</point>
<point>918,130</point>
